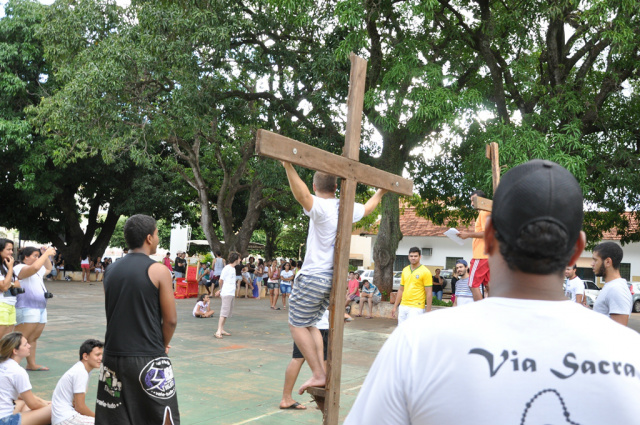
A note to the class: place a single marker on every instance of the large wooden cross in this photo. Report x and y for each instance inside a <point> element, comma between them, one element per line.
<point>351,172</point>
<point>484,204</point>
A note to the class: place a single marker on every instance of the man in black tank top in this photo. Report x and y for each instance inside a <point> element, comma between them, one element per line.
<point>136,383</point>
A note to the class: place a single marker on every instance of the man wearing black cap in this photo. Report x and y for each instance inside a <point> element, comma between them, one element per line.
<point>526,355</point>
<point>479,270</point>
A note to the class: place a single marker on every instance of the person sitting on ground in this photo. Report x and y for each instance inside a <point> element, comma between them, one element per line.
<point>68,405</point>
<point>18,405</point>
<point>370,295</point>
<point>202,308</point>
<point>353,293</point>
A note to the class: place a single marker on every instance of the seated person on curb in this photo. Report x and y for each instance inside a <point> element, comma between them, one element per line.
<point>68,405</point>
<point>353,293</point>
<point>526,354</point>
<point>18,405</point>
<point>202,308</point>
<point>371,295</point>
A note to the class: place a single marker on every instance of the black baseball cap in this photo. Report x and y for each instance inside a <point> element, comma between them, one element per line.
<point>538,190</point>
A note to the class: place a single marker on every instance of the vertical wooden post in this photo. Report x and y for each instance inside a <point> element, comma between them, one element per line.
<point>492,154</point>
<point>343,243</point>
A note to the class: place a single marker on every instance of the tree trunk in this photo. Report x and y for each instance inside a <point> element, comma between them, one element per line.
<point>384,250</point>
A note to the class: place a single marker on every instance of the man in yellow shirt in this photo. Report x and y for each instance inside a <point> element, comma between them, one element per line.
<point>479,268</point>
<point>415,288</point>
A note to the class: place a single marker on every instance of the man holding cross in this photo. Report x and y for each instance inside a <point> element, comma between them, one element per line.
<point>310,295</point>
<point>479,273</point>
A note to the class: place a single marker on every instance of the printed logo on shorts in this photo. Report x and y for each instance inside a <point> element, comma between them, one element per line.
<point>157,379</point>
<point>111,383</point>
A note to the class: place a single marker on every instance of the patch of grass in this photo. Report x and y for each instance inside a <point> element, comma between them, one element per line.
<point>441,303</point>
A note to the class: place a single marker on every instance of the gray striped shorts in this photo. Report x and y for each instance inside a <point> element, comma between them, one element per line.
<point>309,299</point>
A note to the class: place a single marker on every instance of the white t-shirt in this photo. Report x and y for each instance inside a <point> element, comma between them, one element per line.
<point>323,323</point>
<point>201,306</point>
<point>322,234</point>
<point>286,274</point>
<point>506,361</point>
<point>14,380</point>
<point>228,277</point>
<point>573,288</point>
<point>74,381</point>
<point>6,297</point>
<point>614,298</point>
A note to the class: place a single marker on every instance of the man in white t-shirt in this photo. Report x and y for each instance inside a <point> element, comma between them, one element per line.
<point>525,355</point>
<point>615,298</point>
<point>574,286</point>
<point>227,292</point>
<point>68,405</point>
<point>310,295</point>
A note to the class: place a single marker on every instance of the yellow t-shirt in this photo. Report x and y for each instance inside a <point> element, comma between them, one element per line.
<point>478,243</point>
<point>414,283</point>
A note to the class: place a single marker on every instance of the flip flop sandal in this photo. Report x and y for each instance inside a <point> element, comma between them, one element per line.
<point>294,406</point>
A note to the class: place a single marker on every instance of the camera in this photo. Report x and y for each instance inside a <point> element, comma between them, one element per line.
<point>48,294</point>
<point>14,290</point>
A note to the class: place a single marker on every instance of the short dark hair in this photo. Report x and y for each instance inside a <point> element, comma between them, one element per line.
<point>25,252</point>
<point>610,250</point>
<point>415,249</point>
<point>478,192</point>
<point>324,182</point>
<point>233,257</point>
<point>218,254</point>
<point>137,228</point>
<point>541,248</point>
<point>88,346</point>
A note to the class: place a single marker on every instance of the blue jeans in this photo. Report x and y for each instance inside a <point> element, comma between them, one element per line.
<point>439,295</point>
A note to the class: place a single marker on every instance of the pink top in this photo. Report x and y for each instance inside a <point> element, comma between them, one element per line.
<point>354,284</point>
<point>167,262</point>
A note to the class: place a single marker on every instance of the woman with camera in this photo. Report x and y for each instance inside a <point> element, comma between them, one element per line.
<point>9,288</point>
<point>31,308</point>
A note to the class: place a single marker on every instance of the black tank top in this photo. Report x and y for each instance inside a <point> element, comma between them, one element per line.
<point>132,303</point>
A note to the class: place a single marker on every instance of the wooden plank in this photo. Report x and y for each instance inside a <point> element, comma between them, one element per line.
<point>337,306</point>
<point>482,204</point>
<point>355,102</point>
<point>495,164</point>
<point>273,145</point>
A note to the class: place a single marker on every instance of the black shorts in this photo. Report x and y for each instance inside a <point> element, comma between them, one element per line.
<point>325,344</point>
<point>136,390</point>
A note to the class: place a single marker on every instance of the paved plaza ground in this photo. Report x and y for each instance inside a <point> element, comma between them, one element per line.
<point>236,380</point>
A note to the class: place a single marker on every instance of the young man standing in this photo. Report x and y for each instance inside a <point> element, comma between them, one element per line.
<point>227,293</point>
<point>462,292</point>
<point>415,289</point>
<point>479,275</point>
<point>574,286</point>
<point>136,384</point>
<point>310,296</point>
<point>615,298</point>
<point>525,355</point>
<point>68,405</point>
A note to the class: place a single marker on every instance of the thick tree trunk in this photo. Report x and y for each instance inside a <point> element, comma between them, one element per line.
<point>384,250</point>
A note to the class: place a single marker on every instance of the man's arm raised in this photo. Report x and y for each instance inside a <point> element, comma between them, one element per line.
<point>373,202</point>
<point>298,187</point>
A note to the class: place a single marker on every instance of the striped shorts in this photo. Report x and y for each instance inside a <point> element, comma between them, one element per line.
<point>309,299</point>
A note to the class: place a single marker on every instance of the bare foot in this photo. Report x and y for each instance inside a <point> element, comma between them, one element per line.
<point>312,382</point>
<point>225,333</point>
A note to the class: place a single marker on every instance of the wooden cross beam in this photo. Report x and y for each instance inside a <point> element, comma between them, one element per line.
<point>351,172</point>
<point>484,204</point>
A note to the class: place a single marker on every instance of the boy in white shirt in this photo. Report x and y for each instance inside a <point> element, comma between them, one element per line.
<point>227,293</point>
<point>68,405</point>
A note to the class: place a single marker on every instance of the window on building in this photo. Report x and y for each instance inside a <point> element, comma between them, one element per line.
<point>401,262</point>
<point>625,271</point>
<point>450,264</point>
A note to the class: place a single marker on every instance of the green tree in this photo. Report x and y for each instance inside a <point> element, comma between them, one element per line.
<point>561,80</point>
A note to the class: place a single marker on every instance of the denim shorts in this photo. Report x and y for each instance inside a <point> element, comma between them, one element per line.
<point>11,420</point>
<point>31,315</point>
<point>285,289</point>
